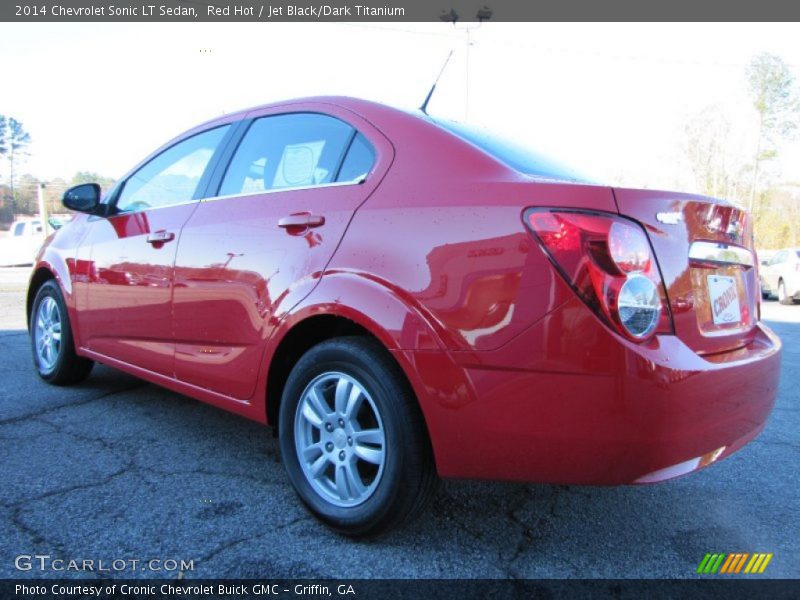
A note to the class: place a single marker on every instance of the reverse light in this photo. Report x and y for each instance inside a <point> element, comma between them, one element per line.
<point>638,305</point>
<point>609,263</point>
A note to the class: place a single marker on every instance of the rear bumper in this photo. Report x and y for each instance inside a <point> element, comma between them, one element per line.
<point>567,401</point>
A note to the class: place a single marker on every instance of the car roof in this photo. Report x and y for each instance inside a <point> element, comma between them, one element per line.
<point>356,105</point>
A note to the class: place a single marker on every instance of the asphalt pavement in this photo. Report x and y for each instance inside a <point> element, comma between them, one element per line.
<point>117,469</point>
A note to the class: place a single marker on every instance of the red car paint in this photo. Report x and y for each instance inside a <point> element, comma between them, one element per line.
<point>517,377</point>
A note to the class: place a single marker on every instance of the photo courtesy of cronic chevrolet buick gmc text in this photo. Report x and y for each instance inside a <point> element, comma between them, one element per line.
<point>406,298</point>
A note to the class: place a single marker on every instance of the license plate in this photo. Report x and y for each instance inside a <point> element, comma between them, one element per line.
<point>724,300</point>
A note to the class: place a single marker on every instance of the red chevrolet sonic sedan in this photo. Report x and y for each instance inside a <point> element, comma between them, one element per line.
<point>406,298</point>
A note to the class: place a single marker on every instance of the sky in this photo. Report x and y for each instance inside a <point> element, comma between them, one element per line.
<point>611,100</point>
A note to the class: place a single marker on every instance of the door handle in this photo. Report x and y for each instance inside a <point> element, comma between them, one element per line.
<point>160,237</point>
<point>302,220</point>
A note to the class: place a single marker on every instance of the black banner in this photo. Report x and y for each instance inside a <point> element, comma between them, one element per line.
<point>577,589</point>
<point>397,10</point>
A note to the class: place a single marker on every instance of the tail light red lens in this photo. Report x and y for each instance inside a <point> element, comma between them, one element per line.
<point>609,263</point>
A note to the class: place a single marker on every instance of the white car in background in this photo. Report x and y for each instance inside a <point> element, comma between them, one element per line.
<point>780,276</point>
<point>20,245</point>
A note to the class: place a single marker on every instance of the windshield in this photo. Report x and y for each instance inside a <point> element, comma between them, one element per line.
<point>516,156</point>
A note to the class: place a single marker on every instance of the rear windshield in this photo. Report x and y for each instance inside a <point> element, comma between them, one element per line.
<point>517,157</point>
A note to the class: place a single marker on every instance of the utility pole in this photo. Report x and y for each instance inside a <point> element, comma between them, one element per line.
<point>451,16</point>
<point>42,207</point>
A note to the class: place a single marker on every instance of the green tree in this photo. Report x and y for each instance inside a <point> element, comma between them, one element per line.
<point>6,208</point>
<point>777,103</point>
<point>53,192</point>
<point>26,200</point>
<point>718,169</point>
<point>91,177</point>
<point>14,142</point>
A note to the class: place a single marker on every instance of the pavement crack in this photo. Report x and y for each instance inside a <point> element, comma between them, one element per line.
<point>51,409</point>
<point>73,488</point>
<point>247,538</point>
<point>529,532</point>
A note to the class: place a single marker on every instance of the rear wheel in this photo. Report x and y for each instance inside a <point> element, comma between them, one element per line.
<point>51,339</point>
<point>353,438</point>
<point>783,297</point>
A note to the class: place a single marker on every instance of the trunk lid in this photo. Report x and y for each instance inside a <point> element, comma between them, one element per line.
<point>704,248</point>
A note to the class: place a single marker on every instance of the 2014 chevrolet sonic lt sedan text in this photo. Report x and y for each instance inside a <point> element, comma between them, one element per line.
<point>405,297</point>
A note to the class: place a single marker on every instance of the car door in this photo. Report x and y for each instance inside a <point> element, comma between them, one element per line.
<point>280,210</point>
<point>124,296</point>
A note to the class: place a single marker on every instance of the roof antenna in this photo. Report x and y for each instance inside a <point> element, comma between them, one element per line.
<point>424,106</point>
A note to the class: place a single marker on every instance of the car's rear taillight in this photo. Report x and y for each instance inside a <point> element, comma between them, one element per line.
<point>610,264</point>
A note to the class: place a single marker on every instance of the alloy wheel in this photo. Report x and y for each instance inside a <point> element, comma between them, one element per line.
<point>47,333</point>
<point>339,439</point>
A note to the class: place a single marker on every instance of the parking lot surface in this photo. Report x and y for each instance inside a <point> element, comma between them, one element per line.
<point>119,469</point>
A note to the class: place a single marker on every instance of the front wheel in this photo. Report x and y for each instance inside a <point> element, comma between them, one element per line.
<point>353,439</point>
<point>783,297</point>
<point>51,339</point>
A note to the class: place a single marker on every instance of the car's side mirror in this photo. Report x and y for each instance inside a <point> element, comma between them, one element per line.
<point>764,263</point>
<point>83,198</point>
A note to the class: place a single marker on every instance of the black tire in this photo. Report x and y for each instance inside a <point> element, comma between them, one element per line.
<point>783,298</point>
<point>67,368</point>
<point>408,478</point>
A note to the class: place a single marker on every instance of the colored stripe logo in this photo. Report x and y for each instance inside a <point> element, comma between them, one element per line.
<point>736,562</point>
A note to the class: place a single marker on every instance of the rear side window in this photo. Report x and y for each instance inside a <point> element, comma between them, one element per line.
<point>18,229</point>
<point>287,151</point>
<point>172,176</point>
<point>519,158</point>
<point>358,162</point>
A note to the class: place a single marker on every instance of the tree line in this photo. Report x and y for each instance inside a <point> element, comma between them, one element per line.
<point>19,195</point>
<point>739,161</point>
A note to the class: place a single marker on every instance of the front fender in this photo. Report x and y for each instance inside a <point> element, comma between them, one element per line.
<point>56,259</point>
<point>49,265</point>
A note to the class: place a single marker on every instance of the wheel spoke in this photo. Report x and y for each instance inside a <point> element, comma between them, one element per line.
<point>369,454</point>
<point>354,482</point>
<point>317,468</point>
<point>369,436</point>
<point>343,388</point>
<point>353,402</point>
<point>310,415</point>
<point>341,482</point>
<point>312,451</point>
<point>314,408</point>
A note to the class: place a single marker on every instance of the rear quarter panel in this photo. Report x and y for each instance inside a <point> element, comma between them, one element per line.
<point>444,231</point>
